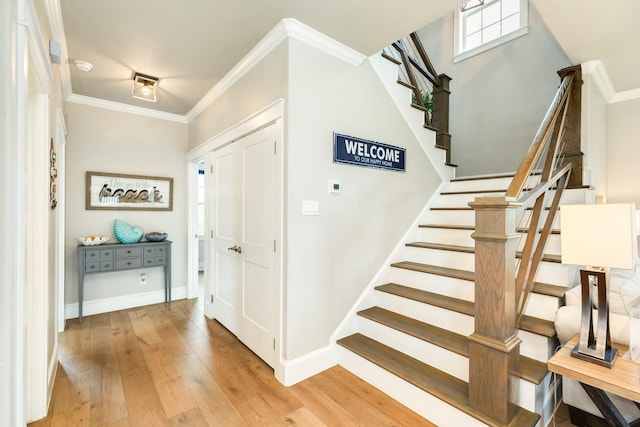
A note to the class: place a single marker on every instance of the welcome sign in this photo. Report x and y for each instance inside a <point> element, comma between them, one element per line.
<point>361,152</point>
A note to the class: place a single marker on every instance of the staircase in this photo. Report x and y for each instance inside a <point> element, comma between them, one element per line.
<point>409,337</point>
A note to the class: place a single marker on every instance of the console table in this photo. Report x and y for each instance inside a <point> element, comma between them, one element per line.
<point>622,379</point>
<point>119,257</point>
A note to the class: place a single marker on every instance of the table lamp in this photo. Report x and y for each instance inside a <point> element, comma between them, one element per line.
<point>600,237</point>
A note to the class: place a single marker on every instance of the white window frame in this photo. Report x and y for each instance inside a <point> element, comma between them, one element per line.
<point>458,36</point>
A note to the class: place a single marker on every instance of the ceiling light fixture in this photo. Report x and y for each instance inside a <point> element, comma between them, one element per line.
<point>83,65</point>
<point>145,87</point>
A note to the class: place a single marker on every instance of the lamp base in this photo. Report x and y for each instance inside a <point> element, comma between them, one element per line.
<point>607,361</point>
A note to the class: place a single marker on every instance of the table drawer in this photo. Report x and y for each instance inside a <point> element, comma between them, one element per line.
<point>149,251</point>
<point>95,266</point>
<point>98,254</point>
<point>127,263</point>
<point>158,260</point>
<point>128,252</point>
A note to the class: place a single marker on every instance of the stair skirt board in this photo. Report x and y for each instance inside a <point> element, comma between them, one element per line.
<point>419,401</point>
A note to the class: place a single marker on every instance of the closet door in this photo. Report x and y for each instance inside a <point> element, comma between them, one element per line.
<point>226,214</point>
<point>257,238</point>
<point>243,206</point>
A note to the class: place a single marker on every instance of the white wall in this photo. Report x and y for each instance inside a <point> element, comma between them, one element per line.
<point>328,259</point>
<point>498,97</point>
<point>102,140</point>
<point>260,86</point>
<point>624,152</point>
<point>332,257</point>
<point>594,133</point>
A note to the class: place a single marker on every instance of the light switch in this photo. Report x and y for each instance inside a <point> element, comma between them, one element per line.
<point>310,207</point>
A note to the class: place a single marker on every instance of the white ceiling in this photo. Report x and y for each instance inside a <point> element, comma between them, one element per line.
<point>191,44</point>
<point>589,30</point>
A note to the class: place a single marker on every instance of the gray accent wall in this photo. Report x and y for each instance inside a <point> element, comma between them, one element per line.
<point>498,97</point>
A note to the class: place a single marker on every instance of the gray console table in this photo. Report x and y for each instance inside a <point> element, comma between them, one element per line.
<point>119,257</point>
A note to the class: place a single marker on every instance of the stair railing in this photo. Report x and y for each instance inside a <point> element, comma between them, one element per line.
<point>501,295</point>
<point>430,89</point>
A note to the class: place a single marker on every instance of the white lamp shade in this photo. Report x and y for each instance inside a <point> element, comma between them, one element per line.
<point>600,235</point>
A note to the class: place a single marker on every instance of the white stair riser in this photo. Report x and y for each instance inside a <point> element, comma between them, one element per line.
<point>446,236</point>
<point>450,236</point>
<point>536,346</point>
<point>463,199</point>
<point>446,319</point>
<point>466,217</point>
<point>542,306</point>
<point>437,357</point>
<point>456,288</point>
<point>555,274</point>
<point>421,402</point>
<point>443,258</point>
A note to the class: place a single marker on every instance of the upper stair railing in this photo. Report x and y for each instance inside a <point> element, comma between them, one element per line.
<point>430,89</point>
<point>552,163</point>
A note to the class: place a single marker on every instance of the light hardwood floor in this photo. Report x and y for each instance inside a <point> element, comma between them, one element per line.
<point>167,365</point>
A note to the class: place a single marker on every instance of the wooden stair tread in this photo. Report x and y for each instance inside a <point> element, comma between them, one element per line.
<point>455,193</point>
<point>530,370</point>
<point>441,337</point>
<point>471,249</point>
<point>437,383</point>
<point>448,226</point>
<point>479,178</point>
<point>538,287</point>
<point>472,228</point>
<point>391,58</point>
<point>534,325</point>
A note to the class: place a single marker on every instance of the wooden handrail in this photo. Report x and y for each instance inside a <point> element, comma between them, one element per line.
<point>423,78</point>
<point>501,294</point>
<point>541,139</point>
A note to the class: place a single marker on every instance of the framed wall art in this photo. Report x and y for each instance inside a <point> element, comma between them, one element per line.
<point>128,192</point>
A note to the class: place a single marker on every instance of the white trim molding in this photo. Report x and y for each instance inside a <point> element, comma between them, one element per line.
<point>123,302</point>
<point>125,108</point>
<point>286,28</point>
<point>600,77</point>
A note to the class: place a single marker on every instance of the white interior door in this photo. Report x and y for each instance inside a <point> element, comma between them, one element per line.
<point>243,207</point>
<point>226,210</point>
<point>257,237</point>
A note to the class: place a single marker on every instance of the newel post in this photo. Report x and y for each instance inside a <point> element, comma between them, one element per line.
<point>573,124</point>
<point>440,119</point>
<point>494,348</point>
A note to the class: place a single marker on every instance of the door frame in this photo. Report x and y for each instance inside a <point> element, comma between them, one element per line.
<point>272,114</point>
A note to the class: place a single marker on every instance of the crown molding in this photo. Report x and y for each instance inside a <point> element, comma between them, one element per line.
<point>125,108</point>
<point>627,95</point>
<point>600,77</point>
<point>286,28</point>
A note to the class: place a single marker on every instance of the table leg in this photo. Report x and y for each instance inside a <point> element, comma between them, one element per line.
<point>611,414</point>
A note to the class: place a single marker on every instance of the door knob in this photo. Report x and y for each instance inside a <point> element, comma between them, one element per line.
<point>235,248</point>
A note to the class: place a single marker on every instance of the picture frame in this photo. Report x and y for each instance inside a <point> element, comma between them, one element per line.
<point>115,191</point>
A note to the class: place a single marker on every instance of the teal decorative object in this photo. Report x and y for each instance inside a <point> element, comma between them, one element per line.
<point>126,233</point>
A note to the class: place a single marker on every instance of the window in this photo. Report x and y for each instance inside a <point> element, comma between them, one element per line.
<point>483,24</point>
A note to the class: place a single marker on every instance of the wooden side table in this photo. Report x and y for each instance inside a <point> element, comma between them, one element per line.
<point>623,379</point>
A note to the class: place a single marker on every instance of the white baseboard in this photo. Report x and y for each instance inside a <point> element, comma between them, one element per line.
<point>294,371</point>
<point>106,305</point>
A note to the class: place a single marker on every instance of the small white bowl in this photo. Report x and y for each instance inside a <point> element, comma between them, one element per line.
<point>92,240</point>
